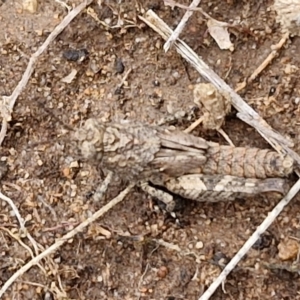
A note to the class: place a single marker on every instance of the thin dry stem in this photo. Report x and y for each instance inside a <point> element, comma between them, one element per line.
<point>226,137</point>
<point>265,63</point>
<point>15,210</point>
<point>270,57</point>
<point>141,280</point>
<point>194,125</point>
<point>175,34</point>
<point>9,102</point>
<point>188,8</point>
<point>18,239</point>
<point>168,245</point>
<point>221,131</point>
<point>176,248</point>
<point>124,78</point>
<point>21,222</point>
<point>64,239</point>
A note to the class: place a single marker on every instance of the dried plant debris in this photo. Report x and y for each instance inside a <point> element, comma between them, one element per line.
<point>219,32</point>
<point>288,15</point>
<point>213,104</point>
<point>217,29</point>
<point>70,77</point>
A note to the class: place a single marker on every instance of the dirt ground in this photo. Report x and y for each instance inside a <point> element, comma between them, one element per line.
<point>119,257</point>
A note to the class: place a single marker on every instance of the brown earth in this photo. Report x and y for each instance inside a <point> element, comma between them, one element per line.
<point>124,261</point>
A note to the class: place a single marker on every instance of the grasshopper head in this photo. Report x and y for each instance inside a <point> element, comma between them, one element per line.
<point>89,140</point>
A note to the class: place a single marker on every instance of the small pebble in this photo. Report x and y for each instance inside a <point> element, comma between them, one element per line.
<point>75,55</point>
<point>156,83</point>
<point>162,272</point>
<point>119,66</point>
<point>199,245</point>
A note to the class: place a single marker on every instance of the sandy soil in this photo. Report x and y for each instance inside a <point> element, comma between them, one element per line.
<point>118,257</point>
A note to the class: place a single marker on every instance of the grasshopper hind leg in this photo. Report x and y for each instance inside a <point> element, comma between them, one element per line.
<point>159,194</point>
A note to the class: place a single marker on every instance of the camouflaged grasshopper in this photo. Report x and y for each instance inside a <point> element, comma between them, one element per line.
<point>184,164</point>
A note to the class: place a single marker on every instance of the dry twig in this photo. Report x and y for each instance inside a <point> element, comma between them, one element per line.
<point>265,63</point>
<point>172,3</point>
<point>175,34</point>
<point>21,222</point>
<point>124,78</point>
<point>18,239</point>
<point>64,239</point>
<point>15,210</point>
<point>217,29</point>
<point>193,125</point>
<point>8,103</point>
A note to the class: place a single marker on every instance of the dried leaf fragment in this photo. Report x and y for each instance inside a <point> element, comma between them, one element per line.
<point>215,106</point>
<point>219,32</point>
<point>69,78</point>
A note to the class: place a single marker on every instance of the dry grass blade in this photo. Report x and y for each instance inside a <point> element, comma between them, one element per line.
<point>64,239</point>
<point>21,221</point>
<point>15,210</point>
<point>18,239</point>
<point>252,240</point>
<point>274,138</point>
<point>265,63</point>
<point>8,103</point>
